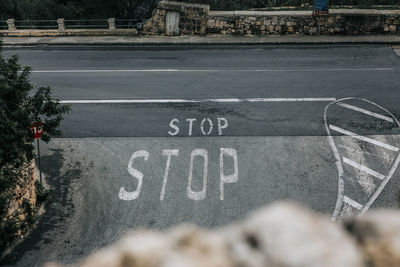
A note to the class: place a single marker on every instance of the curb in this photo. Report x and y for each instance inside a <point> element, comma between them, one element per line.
<point>271,41</point>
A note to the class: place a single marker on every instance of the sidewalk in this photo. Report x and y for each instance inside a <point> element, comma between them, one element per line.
<point>199,40</point>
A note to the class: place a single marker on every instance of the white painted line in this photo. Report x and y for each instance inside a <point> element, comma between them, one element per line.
<point>363,138</point>
<point>212,70</point>
<point>177,101</point>
<point>320,99</point>
<point>381,186</point>
<point>376,115</point>
<point>339,201</point>
<point>363,168</point>
<point>352,203</point>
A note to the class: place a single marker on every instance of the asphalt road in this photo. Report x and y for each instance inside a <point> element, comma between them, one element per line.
<point>161,137</point>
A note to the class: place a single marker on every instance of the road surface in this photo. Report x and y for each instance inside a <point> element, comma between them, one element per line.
<point>158,137</point>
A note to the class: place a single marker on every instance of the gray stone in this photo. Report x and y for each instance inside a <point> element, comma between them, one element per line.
<point>378,236</point>
<point>288,235</point>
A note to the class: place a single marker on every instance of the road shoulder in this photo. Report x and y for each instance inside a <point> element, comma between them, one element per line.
<point>200,40</point>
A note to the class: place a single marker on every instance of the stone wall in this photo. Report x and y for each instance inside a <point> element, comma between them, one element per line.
<point>179,18</point>
<point>21,202</point>
<point>198,19</point>
<point>341,22</point>
<point>193,18</point>
<point>25,190</point>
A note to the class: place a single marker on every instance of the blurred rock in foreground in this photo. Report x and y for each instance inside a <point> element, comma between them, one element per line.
<point>281,235</point>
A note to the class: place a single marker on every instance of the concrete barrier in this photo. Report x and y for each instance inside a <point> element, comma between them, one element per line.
<point>62,29</point>
<point>61,24</point>
<point>11,24</point>
<point>111,23</point>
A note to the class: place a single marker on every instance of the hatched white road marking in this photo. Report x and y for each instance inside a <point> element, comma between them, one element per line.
<point>352,203</point>
<point>376,115</point>
<point>382,185</point>
<point>177,101</point>
<point>363,138</point>
<point>363,168</point>
<point>213,70</point>
<point>339,208</point>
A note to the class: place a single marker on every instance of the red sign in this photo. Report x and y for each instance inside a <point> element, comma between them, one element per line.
<point>37,128</point>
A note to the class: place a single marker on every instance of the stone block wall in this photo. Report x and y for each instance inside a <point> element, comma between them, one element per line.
<point>198,19</point>
<point>181,18</point>
<point>303,23</point>
<point>193,18</point>
<point>21,199</point>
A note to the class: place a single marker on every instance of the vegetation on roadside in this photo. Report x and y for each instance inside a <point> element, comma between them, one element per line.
<point>42,193</point>
<point>141,9</point>
<point>21,103</point>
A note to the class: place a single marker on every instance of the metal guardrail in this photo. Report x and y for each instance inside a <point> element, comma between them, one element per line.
<point>35,24</point>
<point>3,24</point>
<point>129,23</point>
<point>62,24</point>
<point>86,24</point>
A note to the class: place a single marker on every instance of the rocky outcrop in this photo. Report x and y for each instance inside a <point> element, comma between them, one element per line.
<point>288,235</point>
<point>378,237</point>
<point>282,235</point>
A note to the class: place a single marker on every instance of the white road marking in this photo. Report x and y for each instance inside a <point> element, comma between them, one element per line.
<point>352,203</point>
<point>212,70</point>
<point>232,178</point>
<point>178,101</point>
<point>173,126</point>
<point>363,168</point>
<point>126,195</point>
<point>355,151</point>
<point>339,202</point>
<point>382,185</point>
<point>363,138</point>
<point>229,154</point>
<point>210,126</point>
<point>376,115</point>
<point>169,153</point>
<point>198,195</point>
<point>220,126</point>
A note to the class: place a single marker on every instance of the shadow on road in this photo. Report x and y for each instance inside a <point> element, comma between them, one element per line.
<point>58,208</point>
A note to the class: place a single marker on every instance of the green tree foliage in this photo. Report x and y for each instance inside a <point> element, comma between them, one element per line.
<point>21,103</point>
<point>76,9</point>
<point>18,109</point>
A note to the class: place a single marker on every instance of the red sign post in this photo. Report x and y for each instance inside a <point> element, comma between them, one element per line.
<point>37,128</point>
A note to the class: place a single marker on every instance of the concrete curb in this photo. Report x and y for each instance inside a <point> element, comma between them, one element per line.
<point>199,41</point>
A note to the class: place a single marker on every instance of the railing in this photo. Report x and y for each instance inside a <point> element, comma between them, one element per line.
<point>128,23</point>
<point>3,25</point>
<point>62,24</point>
<point>87,24</point>
<point>35,24</point>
